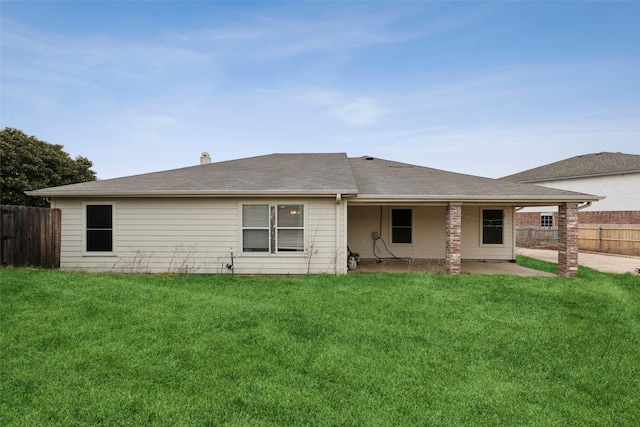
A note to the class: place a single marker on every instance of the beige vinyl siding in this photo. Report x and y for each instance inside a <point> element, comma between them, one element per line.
<point>71,229</point>
<point>322,252</point>
<point>471,240</point>
<point>193,235</point>
<point>428,233</point>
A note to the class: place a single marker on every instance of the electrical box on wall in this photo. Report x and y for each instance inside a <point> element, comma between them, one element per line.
<point>375,235</point>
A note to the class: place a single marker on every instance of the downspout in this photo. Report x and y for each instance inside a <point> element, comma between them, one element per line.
<point>513,232</point>
<point>338,239</point>
<point>586,205</point>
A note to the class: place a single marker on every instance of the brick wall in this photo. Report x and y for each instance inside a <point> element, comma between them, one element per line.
<point>532,219</point>
<point>612,217</point>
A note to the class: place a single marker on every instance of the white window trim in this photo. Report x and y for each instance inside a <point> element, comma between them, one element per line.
<point>242,228</point>
<point>481,234</point>
<point>273,251</point>
<point>114,222</point>
<point>546,214</point>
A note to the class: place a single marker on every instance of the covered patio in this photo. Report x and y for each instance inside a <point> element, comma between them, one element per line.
<point>476,237</point>
<point>408,212</point>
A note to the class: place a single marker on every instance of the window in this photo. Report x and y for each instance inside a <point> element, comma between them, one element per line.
<point>273,228</point>
<point>546,220</point>
<point>492,225</point>
<point>401,226</point>
<point>255,228</point>
<point>290,228</point>
<point>99,228</point>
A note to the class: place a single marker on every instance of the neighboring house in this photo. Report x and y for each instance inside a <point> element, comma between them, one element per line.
<point>613,175</point>
<point>296,214</point>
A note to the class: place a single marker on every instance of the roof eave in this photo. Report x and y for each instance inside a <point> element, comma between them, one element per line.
<point>593,175</point>
<point>533,200</point>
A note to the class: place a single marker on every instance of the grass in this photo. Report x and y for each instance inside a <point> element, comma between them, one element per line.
<point>370,350</point>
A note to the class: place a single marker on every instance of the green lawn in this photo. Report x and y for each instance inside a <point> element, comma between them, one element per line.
<point>366,350</point>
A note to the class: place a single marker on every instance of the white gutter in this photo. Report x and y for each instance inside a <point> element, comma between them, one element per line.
<point>338,239</point>
<point>371,199</point>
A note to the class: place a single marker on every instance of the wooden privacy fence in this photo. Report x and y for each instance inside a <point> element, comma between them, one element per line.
<point>623,239</point>
<point>537,237</point>
<point>30,236</point>
<point>611,238</point>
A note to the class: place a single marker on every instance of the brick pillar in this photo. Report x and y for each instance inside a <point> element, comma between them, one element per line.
<point>453,223</point>
<point>568,240</point>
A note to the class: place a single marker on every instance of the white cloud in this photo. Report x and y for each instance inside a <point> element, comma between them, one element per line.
<point>289,35</point>
<point>328,81</point>
<point>360,111</point>
<point>496,151</point>
<point>353,110</point>
<point>64,59</point>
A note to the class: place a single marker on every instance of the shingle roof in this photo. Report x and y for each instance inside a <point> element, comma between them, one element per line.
<point>314,174</point>
<point>594,164</point>
<point>382,178</point>
<point>328,173</point>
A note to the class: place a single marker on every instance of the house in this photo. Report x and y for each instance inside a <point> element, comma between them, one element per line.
<point>296,214</point>
<point>613,175</point>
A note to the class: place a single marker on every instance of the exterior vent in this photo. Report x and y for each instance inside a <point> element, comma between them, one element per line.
<point>205,158</point>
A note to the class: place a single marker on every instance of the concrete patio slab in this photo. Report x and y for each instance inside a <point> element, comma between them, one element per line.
<point>501,267</point>
<point>437,266</point>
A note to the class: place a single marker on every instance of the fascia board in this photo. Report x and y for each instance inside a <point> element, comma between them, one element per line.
<point>562,178</point>
<point>475,199</point>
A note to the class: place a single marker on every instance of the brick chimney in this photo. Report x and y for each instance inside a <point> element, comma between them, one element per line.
<point>205,158</point>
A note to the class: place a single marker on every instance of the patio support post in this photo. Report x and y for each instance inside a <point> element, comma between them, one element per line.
<point>568,240</point>
<point>454,231</point>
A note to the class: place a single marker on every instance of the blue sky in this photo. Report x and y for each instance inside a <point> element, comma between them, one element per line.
<point>484,88</point>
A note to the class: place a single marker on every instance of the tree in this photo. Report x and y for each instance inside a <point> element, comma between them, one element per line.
<point>27,163</point>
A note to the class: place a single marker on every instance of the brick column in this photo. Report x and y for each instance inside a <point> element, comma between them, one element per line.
<point>568,240</point>
<point>453,223</point>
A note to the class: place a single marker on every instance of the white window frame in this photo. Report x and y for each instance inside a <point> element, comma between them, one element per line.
<point>274,228</point>
<point>266,228</point>
<point>114,222</point>
<point>544,218</point>
<point>502,209</point>
<point>278,228</point>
